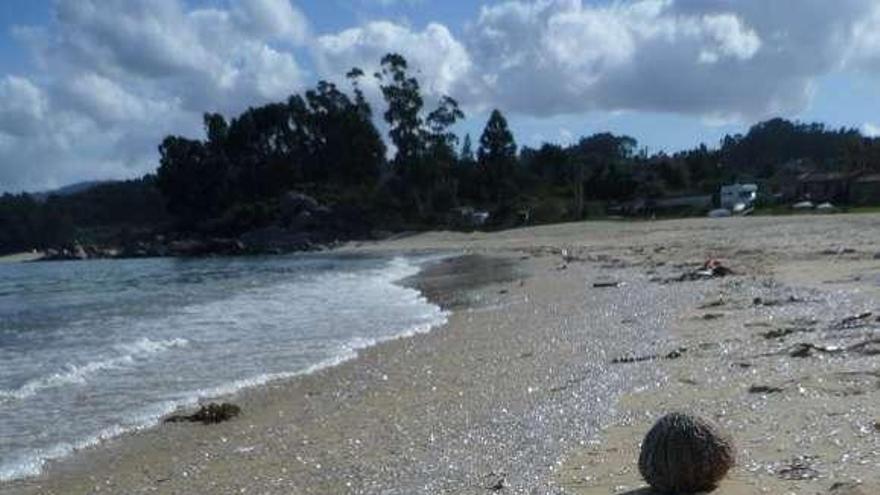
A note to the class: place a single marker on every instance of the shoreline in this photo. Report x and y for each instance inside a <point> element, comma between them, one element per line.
<point>518,389</point>
<point>446,281</point>
<point>23,257</point>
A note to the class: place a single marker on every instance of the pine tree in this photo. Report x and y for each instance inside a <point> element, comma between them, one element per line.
<point>497,159</point>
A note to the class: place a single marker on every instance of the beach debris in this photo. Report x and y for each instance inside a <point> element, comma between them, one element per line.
<point>847,488</point>
<point>758,301</point>
<point>855,321</point>
<point>765,389</point>
<point>717,303</point>
<point>208,414</point>
<point>606,285</point>
<point>838,251</point>
<point>784,332</point>
<point>867,348</point>
<point>495,481</point>
<point>805,350</point>
<point>675,354</point>
<point>683,453</point>
<point>716,269</point>
<point>569,257</point>
<point>710,269</point>
<point>798,469</point>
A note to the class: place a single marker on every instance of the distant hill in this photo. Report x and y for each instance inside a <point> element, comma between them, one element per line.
<point>71,189</point>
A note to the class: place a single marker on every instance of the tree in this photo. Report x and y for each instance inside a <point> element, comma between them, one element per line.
<point>466,156</point>
<point>436,171</point>
<point>497,159</point>
<point>193,182</point>
<point>347,145</point>
<point>403,97</point>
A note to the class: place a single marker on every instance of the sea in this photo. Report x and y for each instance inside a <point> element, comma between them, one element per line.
<point>92,350</point>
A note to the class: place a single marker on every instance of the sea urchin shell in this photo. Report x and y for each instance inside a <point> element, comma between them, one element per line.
<point>685,454</point>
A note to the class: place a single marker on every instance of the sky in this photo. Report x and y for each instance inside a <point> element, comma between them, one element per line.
<point>88,88</point>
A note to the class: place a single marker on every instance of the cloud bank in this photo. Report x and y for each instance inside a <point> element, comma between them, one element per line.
<point>114,76</point>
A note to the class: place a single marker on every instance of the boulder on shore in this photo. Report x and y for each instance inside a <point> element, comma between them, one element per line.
<point>208,414</point>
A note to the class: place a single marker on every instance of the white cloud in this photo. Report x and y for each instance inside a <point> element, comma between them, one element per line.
<point>276,18</point>
<point>870,130</point>
<point>23,107</point>
<point>118,75</point>
<point>440,60</point>
<point>114,76</point>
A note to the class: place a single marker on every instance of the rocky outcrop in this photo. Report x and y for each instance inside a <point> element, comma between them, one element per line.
<point>303,225</point>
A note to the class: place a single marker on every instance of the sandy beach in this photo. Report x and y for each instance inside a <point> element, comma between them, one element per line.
<point>21,257</point>
<point>544,382</point>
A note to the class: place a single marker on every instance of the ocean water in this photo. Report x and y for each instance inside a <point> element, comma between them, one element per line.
<point>91,350</point>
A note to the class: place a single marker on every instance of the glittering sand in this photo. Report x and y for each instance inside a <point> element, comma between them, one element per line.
<point>542,382</point>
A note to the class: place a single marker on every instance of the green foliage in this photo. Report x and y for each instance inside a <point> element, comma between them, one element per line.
<point>115,209</point>
<point>496,157</point>
<point>324,143</point>
<point>404,100</point>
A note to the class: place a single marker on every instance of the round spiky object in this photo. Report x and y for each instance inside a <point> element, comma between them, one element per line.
<point>685,454</point>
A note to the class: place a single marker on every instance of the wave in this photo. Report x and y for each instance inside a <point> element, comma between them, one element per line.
<point>31,463</point>
<point>74,374</point>
<point>247,306</point>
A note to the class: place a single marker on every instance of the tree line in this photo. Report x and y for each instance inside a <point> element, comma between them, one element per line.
<point>325,143</point>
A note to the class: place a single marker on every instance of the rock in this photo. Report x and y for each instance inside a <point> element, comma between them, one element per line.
<point>79,252</point>
<point>294,203</point>
<point>209,414</point>
<point>277,240</point>
<point>798,469</point>
<point>495,482</point>
<point>685,454</point>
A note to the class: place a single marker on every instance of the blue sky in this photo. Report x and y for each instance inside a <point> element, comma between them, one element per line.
<point>89,87</point>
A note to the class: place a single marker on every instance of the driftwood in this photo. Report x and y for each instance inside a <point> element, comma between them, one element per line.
<point>677,353</point>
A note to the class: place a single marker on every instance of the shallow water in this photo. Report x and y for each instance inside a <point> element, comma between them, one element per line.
<point>89,350</point>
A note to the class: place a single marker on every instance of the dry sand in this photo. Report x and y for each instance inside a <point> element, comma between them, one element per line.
<point>518,393</point>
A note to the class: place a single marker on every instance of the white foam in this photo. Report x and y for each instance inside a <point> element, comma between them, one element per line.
<point>79,374</point>
<point>255,307</point>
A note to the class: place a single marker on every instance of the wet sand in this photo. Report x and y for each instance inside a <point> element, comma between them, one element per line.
<point>520,392</point>
<point>21,257</point>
